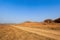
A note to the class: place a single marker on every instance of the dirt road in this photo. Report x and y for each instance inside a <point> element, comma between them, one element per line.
<point>46,33</point>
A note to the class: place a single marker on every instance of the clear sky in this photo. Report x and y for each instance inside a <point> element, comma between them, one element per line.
<point>16,11</point>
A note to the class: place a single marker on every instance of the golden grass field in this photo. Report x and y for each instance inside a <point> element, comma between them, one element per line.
<point>8,32</point>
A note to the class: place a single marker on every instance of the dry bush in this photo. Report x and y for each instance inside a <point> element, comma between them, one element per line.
<point>57,20</point>
<point>48,21</point>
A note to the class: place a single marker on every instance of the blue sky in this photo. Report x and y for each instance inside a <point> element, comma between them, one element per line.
<point>16,11</point>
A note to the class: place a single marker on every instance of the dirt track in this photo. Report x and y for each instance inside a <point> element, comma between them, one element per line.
<point>47,33</point>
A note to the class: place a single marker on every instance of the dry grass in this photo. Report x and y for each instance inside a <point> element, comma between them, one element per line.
<point>53,26</point>
<point>10,33</point>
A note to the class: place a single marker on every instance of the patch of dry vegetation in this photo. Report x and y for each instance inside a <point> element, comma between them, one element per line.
<point>10,33</point>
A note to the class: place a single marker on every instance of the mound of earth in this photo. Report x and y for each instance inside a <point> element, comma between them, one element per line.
<point>8,32</point>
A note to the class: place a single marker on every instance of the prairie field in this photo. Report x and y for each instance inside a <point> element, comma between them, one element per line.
<point>8,32</point>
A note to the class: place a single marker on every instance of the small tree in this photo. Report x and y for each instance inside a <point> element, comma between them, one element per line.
<point>57,20</point>
<point>48,21</point>
<point>28,21</point>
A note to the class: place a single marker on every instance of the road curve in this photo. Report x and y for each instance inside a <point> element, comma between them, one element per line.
<point>47,33</point>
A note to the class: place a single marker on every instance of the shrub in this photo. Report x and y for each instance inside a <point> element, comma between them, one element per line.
<point>57,20</point>
<point>48,21</point>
